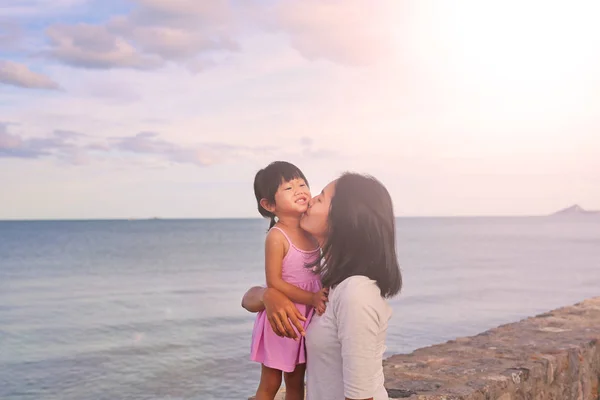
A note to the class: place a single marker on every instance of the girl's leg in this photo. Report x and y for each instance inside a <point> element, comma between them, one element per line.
<point>294,383</point>
<point>270,382</point>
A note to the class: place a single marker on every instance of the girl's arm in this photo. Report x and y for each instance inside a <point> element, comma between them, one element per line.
<point>274,254</point>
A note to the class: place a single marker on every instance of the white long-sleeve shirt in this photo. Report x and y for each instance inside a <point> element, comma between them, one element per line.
<point>345,345</point>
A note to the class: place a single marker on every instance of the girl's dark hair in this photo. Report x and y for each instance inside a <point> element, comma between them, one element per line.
<point>361,238</point>
<point>267,181</point>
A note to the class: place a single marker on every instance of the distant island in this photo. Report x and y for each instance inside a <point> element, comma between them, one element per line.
<point>576,210</point>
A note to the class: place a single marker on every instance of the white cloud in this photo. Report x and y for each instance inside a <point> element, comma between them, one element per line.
<point>61,144</point>
<point>208,12</point>
<point>28,8</point>
<point>149,143</point>
<point>355,32</point>
<point>190,32</point>
<point>95,46</point>
<point>173,43</point>
<point>154,33</point>
<point>76,149</point>
<point>10,34</point>
<point>15,74</point>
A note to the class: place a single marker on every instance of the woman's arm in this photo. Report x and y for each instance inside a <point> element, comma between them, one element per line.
<point>281,312</point>
<point>360,319</point>
<point>253,299</point>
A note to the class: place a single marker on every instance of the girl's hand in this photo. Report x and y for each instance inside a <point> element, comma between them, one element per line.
<point>319,301</point>
<point>282,314</point>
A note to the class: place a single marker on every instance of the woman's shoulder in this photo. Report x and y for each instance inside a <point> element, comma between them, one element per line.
<point>356,281</point>
<point>359,293</point>
<point>359,283</point>
<point>357,288</point>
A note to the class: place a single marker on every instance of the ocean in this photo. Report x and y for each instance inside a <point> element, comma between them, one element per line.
<point>150,309</point>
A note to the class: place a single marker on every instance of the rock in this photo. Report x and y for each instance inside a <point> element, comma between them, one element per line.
<point>555,356</point>
<point>576,210</point>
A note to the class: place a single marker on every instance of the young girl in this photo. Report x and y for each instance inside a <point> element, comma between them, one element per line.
<point>282,194</point>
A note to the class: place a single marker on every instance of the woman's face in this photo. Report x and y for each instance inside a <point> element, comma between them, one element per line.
<point>314,220</point>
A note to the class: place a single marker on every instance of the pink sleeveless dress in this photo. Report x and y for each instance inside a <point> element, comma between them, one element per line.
<point>268,348</point>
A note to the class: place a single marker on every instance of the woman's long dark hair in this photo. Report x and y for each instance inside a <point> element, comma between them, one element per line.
<point>361,237</point>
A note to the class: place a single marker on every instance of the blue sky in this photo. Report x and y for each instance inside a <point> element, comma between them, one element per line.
<point>142,108</point>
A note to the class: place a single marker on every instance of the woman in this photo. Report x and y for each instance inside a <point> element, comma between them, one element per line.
<point>353,220</point>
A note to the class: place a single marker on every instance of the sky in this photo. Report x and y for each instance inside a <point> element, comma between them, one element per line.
<point>167,108</point>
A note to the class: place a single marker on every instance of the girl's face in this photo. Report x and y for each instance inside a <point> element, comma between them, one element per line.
<point>314,220</point>
<point>291,198</point>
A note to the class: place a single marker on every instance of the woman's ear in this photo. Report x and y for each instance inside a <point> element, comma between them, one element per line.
<point>264,203</point>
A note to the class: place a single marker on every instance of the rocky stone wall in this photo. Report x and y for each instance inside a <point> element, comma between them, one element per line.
<point>553,356</point>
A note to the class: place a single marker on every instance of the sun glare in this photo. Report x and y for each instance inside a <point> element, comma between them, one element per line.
<point>525,45</point>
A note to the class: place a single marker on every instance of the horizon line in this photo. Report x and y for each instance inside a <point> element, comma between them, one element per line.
<point>133,219</point>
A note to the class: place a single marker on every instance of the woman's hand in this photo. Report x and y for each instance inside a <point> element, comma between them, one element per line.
<point>280,312</point>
